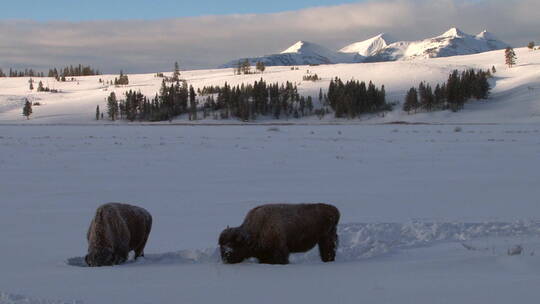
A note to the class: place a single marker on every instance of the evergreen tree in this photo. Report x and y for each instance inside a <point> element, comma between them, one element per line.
<point>238,69</point>
<point>122,79</point>
<point>427,98</point>
<point>97,113</point>
<point>112,107</point>
<point>176,73</point>
<point>246,67</point>
<point>454,95</point>
<point>27,109</point>
<point>510,57</point>
<point>411,101</point>
<point>480,86</point>
<point>192,104</point>
<point>40,87</point>
<point>493,70</point>
<point>260,66</point>
<point>531,45</point>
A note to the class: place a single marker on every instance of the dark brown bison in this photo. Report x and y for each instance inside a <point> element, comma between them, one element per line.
<point>271,232</point>
<point>116,230</point>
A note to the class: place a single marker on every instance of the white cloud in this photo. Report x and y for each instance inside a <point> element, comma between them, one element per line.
<point>209,41</point>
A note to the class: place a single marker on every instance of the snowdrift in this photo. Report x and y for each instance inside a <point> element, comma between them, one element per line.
<point>362,241</point>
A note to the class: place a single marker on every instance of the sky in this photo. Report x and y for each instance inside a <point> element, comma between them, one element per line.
<point>149,36</point>
<point>84,10</point>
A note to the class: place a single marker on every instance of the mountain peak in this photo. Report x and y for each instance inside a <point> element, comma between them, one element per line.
<point>370,46</point>
<point>486,35</point>
<point>297,47</point>
<point>453,32</point>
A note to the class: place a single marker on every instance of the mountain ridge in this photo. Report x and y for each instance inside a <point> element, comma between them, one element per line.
<point>381,48</point>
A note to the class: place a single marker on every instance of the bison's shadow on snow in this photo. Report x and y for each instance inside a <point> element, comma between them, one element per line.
<point>196,256</point>
<point>361,241</point>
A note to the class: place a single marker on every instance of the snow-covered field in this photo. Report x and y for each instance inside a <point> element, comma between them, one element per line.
<point>429,212</point>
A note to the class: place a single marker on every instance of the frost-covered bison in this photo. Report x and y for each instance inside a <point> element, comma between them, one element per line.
<point>271,232</point>
<point>116,230</point>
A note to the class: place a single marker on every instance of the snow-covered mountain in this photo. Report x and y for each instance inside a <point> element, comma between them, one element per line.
<point>382,48</point>
<point>300,53</point>
<point>453,42</point>
<point>370,46</point>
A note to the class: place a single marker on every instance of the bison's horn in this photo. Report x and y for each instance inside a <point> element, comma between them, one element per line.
<point>227,226</point>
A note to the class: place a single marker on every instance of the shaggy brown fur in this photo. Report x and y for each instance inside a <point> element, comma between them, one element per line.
<point>271,232</point>
<point>116,230</point>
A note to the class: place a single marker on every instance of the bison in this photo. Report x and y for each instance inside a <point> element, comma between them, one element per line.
<point>271,232</point>
<point>116,230</point>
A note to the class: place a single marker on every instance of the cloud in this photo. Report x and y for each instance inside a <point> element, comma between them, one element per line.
<point>208,41</point>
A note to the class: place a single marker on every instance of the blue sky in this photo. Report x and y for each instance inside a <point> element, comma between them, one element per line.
<point>76,10</point>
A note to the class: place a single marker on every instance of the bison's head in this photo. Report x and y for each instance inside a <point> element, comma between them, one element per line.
<point>100,257</point>
<point>234,245</point>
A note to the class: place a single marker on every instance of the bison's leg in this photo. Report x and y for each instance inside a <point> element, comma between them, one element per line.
<point>121,257</point>
<point>328,245</point>
<point>139,251</point>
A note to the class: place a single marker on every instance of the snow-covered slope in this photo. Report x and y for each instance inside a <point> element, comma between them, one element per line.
<point>514,95</point>
<point>370,46</point>
<point>452,43</point>
<point>300,53</point>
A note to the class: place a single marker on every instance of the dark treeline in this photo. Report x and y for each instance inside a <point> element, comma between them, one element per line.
<point>313,77</point>
<point>170,102</point>
<point>73,71</point>
<point>208,90</point>
<point>244,102</point>
<point>354,98</point>
<point>70,71</point>
<point>248,102</point>
<point>21,73</point>
<point>459,88</point>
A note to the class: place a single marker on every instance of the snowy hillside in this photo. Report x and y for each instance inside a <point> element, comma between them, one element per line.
<point>452,43</point>
<point>514,95</point>
<point>370,46</point>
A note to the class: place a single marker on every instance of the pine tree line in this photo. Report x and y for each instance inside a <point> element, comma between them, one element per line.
<point>243,67</point>
<point>354,98</point>
<point>73,71</point>
<point>458,89</point>
<point>170,102</point>
<point>244,102</point>
<point>247,102</point>
<point>22,73</point>
<point>70,71</point>
<point>208,90</point>
<point>311,77</point>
